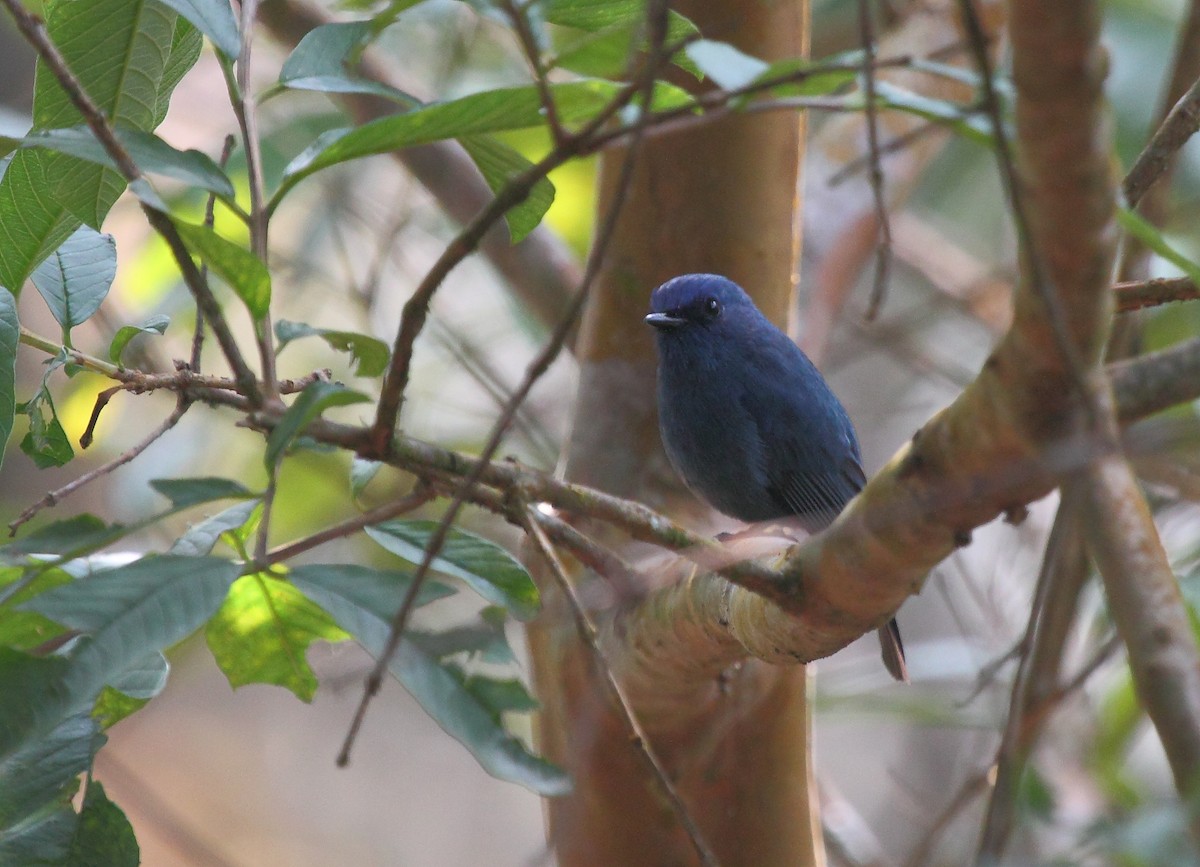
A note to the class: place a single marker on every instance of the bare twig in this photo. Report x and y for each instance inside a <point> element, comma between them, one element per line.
<point>1136,294</point>
<point>1180,125</point>
<point>57,496</point>
<point>898,143</point>
<point>210,218</point>
<point>529,45</point>
<point>34,31</point>
<point>419,496</point>
<point>638,739</point>
<point>883,249</point>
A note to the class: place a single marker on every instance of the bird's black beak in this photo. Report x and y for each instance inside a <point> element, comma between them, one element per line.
<point>665,321</point>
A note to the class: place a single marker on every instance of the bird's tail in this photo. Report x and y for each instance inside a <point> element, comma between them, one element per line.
<point>892,650</point>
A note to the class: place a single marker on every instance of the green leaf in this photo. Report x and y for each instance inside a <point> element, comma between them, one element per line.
<point>242,270</point>
<point>505,108</point>
<point>499,164</point>
<point>131,690</point>
<point>150,153</point>
<point>487,568</point>
<point>37,783</point>
<point>262,634</point>
<point>200,539</point>
<point>77,276</point>
<point>201,489</point>
<point>128,612</point>
<point>103,834</point>
<point>215,19</point>
<point>25,630</point>
<point>320,62</point>
<point>369,353</point>
<point>154,325</point>
<point>46,442</point>
<point>821,79</point>
<point>1144,231</point>
<point>124,55</point>
<point>438,689</point>
<point>617,28</point>
<point>10,335</point>
<point>968,124</point>
<point>186,44</point>
<point>724,64</point>
<point>313,401</point>
<point>375,590</point>
<point>500,695</point>
<point>71,536</point>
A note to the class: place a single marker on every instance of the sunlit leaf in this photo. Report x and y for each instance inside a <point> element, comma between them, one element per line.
<point>262,632</point>
<point>499,164</point>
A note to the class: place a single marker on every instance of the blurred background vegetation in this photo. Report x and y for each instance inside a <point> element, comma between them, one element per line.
<point>209,776</point>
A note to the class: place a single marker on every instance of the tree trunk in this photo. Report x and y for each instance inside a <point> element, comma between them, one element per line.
<point>720,198</point>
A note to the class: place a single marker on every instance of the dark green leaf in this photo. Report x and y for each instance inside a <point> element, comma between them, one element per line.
<point>46,443</point>
<point>215,19</point>
<point>37,783</point>
<point>103,835</point>
<point>490,571</point>
<point>74,536</point>
<point>154,325</point>
<point>262,634</point>
<point>128,612</point>
<point>76,277</point>
<point>10,335</point>
<point>500,696</point>
<point>1144,231</point>
<point>439,690</point>
<point>369,353</point>
<point>242,270</point>
<point>724,64</point>
<point>202,489</point>
<point>321,62</point>
<point>151,154</point>
<point>45,771</point>
<point>200,539</point>
<point>378,591</point>
<point>499,164</point>
<point>313,401</point>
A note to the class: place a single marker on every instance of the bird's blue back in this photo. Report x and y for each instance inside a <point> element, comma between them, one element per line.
<point>747,420</point>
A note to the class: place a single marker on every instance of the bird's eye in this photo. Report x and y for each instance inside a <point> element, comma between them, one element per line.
<point>712,307</point>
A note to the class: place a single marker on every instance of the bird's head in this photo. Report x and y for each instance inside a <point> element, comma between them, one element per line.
<point>693,304</point>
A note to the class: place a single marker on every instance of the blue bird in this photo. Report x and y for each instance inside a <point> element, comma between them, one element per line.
<point>748,421</point>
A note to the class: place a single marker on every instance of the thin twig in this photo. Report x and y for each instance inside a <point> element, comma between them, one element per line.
<point>418,497</point>
<point>898,143</point>
<point>1136,294</point>
<point>883,228</point>
<point>641,744</point>
<point>1179,126</point>
<point>529,45</point>
<point>34,31</point>
<point>57,496</point>
<point>210,219</point>
<point>533,373</point>
<point>1040,280</point>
